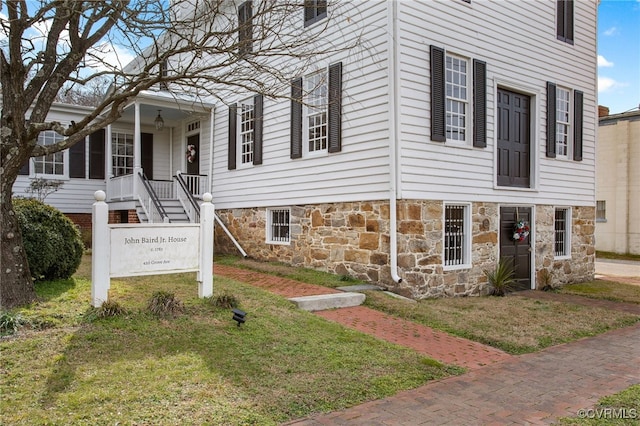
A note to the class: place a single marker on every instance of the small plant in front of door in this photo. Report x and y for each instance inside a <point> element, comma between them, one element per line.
<point>501,278</point>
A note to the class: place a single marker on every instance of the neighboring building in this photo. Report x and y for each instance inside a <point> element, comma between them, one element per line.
<point>618,182</point>
<point>408,164</point>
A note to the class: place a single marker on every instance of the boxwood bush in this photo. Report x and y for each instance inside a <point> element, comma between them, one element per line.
<point>52,242</point>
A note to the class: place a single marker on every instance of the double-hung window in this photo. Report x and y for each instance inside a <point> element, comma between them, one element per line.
<point>278,225</point>
<point>457,104</point>
<point>122,153</point>
<point>316,112</point>
<point>562,229</point>
<point>458,99</point>
<point>51,165</point>
<point>457,236</point>
<point>564,20</point>
<point>314,11</point>
<point>601,211</point>
<point>563,125</point>
<point>245,132</point>
<point>565,116</point>
<point>316,106</point>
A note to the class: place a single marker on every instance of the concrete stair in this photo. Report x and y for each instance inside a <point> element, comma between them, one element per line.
<point>328,301</point>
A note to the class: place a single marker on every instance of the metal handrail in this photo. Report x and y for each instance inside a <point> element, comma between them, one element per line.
<point>154,198</point>
<point>190,197</point>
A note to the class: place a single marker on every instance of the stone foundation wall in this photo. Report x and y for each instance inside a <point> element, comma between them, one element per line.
<point>581,266</point>
<point>353,239</point>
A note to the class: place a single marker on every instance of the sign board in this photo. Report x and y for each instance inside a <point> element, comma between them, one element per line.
<point>150,249</point>
<point>154,249</point>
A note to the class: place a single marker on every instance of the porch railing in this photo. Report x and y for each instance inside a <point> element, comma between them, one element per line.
<point>186,198</point>
<point>164,189</point>
<point>196,184</point>
<point>120,188</point>
<point>149,202</point>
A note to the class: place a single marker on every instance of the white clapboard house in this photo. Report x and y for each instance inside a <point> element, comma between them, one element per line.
<point>454,134</point>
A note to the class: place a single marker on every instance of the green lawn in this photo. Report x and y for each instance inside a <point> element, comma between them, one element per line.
<point>622,408</point>
<point>198,368</point>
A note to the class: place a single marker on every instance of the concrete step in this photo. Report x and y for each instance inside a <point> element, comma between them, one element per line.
<point>328,301</point>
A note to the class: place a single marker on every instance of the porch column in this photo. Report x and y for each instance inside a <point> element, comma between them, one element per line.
<point>137,151</point>
<point>108,161</point>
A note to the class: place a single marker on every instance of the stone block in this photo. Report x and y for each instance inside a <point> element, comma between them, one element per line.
<point>369,241</point>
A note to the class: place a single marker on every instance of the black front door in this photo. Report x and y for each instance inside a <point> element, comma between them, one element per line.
<point>514,146</point>
<point>193,159</point>
<point>514,251</point>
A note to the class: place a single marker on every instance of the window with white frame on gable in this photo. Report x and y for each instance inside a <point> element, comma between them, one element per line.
<point>122,153</point>
<point>316,113</point>
<point>314,11</point>
<point>278,225</point>
<point>458,99</point>
<point>564,20</point>
<point>565,112</point>
<point>457,240</point>
<point>562,232</point>
<point>245,132</point>
<point>51,164</point>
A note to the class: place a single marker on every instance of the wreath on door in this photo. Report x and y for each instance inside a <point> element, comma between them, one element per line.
<point>191,153</point>
<point>520,230</point>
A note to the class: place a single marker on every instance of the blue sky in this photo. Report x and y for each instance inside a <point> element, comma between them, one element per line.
<point>619,55</point>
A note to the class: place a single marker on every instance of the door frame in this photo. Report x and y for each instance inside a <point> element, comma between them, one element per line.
<point>535,94</point>
<point>532,237</point>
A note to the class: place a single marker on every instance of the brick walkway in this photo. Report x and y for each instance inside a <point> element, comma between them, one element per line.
<point>529,389</point>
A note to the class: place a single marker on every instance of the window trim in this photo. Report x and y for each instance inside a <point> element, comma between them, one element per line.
<point>314,6</point>
<point>568,231</point>
<point>269,239</point>
<point>321,110</point>
<point>239,131</point>
<point>466,237</point>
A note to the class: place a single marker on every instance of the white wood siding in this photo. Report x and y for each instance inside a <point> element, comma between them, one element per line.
<point>361,170</point>
<point>518,42</point>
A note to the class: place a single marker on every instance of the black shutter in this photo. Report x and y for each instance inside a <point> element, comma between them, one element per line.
<point>296,118</point>
<point>578,113</point>
<point>551,120</point>
<point>24,170</point>
<point>96,154</point>
<point>479,104</point>
<point>233,117</point>
<point>438,84</point>
<point>245,28</point>
<point>257,129</point>
<point>146,152</point>
<point>335,108</point>
<point>77,160</point>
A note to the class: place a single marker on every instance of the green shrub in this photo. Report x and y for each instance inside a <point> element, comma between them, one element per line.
<point>163,303</point>
<point>52,242</point>
<point>108,309</point>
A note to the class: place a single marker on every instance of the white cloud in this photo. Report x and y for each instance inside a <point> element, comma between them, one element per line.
<point>606,84</point>
<point>612,31</point>
<point>602,62</point>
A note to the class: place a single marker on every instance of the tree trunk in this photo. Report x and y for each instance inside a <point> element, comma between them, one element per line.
<point>16,286</point>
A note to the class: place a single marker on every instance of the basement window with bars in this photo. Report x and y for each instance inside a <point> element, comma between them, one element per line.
<point>278,226</point>
<point>562,228</point>
<point>456,236</point>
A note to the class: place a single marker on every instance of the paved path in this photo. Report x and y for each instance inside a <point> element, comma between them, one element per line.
<point>626,271</point>
<point>499,389</point>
